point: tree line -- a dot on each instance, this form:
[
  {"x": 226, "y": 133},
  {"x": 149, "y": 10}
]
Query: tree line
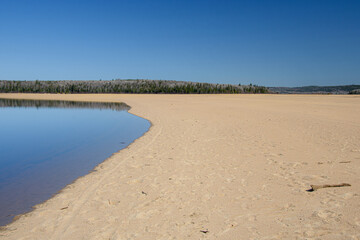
[
  {"x": 126, "y": 86},
  {"x": 340, "y": 89}
]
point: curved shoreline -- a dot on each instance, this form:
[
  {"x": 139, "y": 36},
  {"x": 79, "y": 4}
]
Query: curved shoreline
[
  {"x": 215, "y": 166},
  {"x": 67, "y": 104}
]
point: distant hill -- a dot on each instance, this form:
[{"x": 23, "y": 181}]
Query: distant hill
[
  {"x": 126, "y": 86},
  {"x": 343, "y": 89},
  {"x": 355, "y": 91}
]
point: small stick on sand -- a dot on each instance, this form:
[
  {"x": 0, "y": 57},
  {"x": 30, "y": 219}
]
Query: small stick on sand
[{"x": 316, "y": 187}]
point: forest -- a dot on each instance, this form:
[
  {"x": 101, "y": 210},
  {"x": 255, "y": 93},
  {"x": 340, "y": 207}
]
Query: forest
[
  {"x": 126, "y": 86},
  {"x": 341, "y": 89}
]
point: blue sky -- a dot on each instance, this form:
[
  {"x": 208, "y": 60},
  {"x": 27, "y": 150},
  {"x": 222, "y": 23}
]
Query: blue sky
[{"x": 272, "y": 43}]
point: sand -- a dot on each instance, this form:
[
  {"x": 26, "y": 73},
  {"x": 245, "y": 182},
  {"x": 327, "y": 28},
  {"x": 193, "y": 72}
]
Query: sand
[{"x": 216, "y": 167}]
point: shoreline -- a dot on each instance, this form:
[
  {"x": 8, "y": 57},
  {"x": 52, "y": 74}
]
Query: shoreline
[
  {"x": 232, "y": 165},
  {"x": 36, "y": 97},
  {"x": 116, "y": 106}
]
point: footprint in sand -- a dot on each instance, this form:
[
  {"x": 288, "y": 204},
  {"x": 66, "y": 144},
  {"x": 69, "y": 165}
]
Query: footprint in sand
[
  {"x": 289, "y": 207},
  {"x": 243, "y": 182},
  {"x": 327, "y": 215},
  {"x": 349, "y": 195},
  {"x": 271, "y": 161}
]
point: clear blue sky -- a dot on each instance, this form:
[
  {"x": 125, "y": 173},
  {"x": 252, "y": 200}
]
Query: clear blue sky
[{"x": 272, "y": 43}]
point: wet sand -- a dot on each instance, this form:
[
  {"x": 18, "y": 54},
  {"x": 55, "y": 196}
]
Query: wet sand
[{"x": 216, "y": 167}]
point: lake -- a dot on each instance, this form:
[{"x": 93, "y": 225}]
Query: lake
[{"x": 46, "y": 145}]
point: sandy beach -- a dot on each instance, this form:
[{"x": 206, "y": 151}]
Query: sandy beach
[{"x": 215, "y": 167}]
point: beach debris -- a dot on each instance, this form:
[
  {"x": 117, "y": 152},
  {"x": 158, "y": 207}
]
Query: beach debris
[
  {"x": 143, "y": 192},
  {"x": 204, "y": 231},
  {"x": 64, "y": 208},
  {"x": 345, "y": 162},
  {"x": 316, "y": 187}
]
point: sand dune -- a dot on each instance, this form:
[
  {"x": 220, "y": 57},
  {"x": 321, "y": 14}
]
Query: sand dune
[{"x": 216, "y": 167}]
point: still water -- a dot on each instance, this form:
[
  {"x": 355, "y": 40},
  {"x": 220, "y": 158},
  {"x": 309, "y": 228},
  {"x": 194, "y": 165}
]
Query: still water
[{"x": 45, "y": 145}]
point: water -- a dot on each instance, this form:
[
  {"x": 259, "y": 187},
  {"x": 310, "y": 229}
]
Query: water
[{"x": 45, "y": 145}]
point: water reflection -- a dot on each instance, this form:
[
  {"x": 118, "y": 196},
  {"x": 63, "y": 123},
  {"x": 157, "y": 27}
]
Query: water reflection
[{"x": 62, "y": 104}]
